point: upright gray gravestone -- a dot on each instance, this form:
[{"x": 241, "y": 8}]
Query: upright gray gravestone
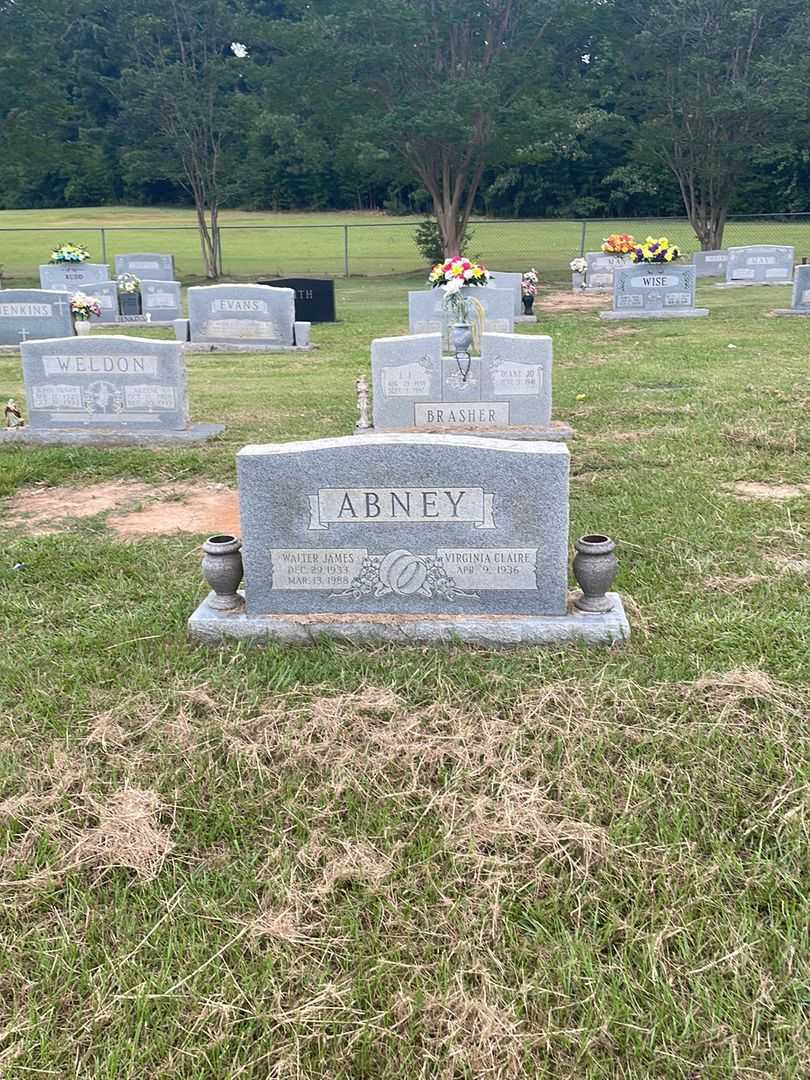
[
  {"x": 406, "y": 537},
  {"x": 161, "y": 300},
  {"x": 801, "y": 293},
  {"x": 147, "y": 265},
  {"x": 600, "y": 270},
  {"x": 100, "y": 389},
  {"x": 759, "y": 264},
  {"x": 26, "y": 314},
  {"x": 74, "y": 277},
  {"x": 654, "y": 291},
  {"x": 258, "y": 315},
  {"x": 513, "y": 283},
  {"x": 505, "y": 392},
  {"x": 710, "y": 263},
  {"x": 106, "y": 292},
  {"x": 428, "y": 315}
]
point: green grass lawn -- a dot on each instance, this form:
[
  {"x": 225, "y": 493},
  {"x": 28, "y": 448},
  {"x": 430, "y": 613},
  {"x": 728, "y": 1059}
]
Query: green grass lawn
[
  {"x": 260, "y": 244},
  {"x": 379, "y": 864}
]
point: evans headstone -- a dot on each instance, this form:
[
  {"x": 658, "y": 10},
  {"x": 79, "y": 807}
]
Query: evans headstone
[
  {"x": 600, "y": 270},
  {"x": 314, "y": 297},
  {"x": 147, "y": 265},
  {"x": 760, "y": 264},
  {"x": 161, "y": 300},
  {"x": 710, "y": 263},
  {"x": 26, "y": 314},
  {"x": 242, "y": 315},
  {"x": 801, "y": 293},
  {"x": 427, "y": 313},
  {"x": 506, "y": 391},
  {"x": 75, "y": 277},
  {"x": 654, "y": 291}
]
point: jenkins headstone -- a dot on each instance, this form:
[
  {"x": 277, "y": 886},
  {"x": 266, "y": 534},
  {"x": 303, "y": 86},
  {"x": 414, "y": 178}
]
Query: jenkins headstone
[{"x": 34, "y": 313}]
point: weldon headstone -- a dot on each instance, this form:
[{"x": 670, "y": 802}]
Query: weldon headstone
[
  {"x": 26, "y": 314},
  {"x": 107, "y": 389},
  {"x": 759, "y": 264},
  {"x": 801, "y": 293},
  {"x": 654, "y": 291},
  {"x": 75, "y": 277},
  {"x": 149, "y": 265},
  {"x": 423, "y": 538},
  {"x": 314, "y": 297},
  {"x": 600, "y": 270},
  {"x": 253, "y": 316},
  {"x": 505, "y": 392},
  {"x": 710, "y": 263},
  {"x": 427, "y": 313}
]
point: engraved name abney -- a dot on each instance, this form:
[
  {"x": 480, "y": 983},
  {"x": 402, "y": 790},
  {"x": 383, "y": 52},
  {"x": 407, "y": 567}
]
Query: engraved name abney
[{"x": 386, "y": 506}]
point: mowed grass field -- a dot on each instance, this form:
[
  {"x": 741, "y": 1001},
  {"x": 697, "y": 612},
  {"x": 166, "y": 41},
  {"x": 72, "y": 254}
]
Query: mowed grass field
[
  {"x": 377, "y": 864},
  {"x": 262, "y": 244}
]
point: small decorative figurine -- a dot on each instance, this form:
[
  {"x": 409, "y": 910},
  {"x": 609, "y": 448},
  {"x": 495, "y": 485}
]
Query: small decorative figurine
[
  {"x": 363, "y": 422},
  {"x": 14, "y": 418}
]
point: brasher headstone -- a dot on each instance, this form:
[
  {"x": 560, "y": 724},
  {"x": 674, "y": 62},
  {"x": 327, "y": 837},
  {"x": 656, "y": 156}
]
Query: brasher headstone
[
  {"x": 75, "y": 277},
  {"x": 600, "y": 270},
  {"x": 760, "y": 264},
  {"x": 242, "y": 314},
  {"x": 710, "y": 263},
  {"x": 147, "y": 265},
  {"x": 34, "y": 313},
  {"x": 654, "y": 291},
  {"x": 314, "y": 297},
  {"x": 801, "y": 293},
  {"x": 428, "y": 315},
  {"x": 161, "y": 300}
]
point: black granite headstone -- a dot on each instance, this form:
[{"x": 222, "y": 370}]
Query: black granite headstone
[{"x": 314, "y": 297}]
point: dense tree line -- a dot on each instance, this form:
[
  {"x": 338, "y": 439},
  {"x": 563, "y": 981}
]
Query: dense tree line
[{"x": 503, "y": 107}]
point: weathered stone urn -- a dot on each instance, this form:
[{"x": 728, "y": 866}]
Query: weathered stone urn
[
  {"x": 595, "y": 567},
  {"x": 222, "y": 569}
]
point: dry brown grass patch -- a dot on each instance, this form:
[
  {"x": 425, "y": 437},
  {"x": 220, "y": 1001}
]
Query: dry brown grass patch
[
  {"x": 745, "y": 489},
  {"x": 730, "y": 584},
  {"x": 759, "y": 438},
  {"x": 128, "y": 834}
]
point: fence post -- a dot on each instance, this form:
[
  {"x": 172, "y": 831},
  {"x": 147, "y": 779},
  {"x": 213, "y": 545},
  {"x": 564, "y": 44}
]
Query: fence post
[
  {"x": 103, "y": 245},
  {"x": 582, "y": 239},
  {"x": 345, "y": 250}
]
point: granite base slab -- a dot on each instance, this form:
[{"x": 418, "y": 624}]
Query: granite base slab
[
  {"x": 750, "y": 284},
  {"x": 692, "y": 313},
  {"x": 557, "y": 431},
  {"x": 489, "y": 631},
  {"x": 790, "y": 311},
  {"x": 26, "y": 436},
  {"x": 226, "y": 347},
  {"x": 525, "y": 319}
]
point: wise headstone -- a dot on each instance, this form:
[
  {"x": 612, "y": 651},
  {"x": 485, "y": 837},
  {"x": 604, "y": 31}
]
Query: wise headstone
[
  {"x": 415, "y": 537},
  {"x": 710, "y": 263},
  {"x": 654, "y": 291},
  {"x": 258, "y": 315},
  {"x": 428, "y": 315},
  {"x": 600, "y": 270},
  {"x": 161, "y": 300},
  {"x": 149, "y": 265},
  {"x": 504, "y": 392},
  {"x": 760, "y": 264},
  {"x": 27, "y": 314},
  {"x": 106, "y": 388},
  {"x": 314, "y": 297},
  {"x": 75, "y": 277},
  {"x": 801, "y": 293}
]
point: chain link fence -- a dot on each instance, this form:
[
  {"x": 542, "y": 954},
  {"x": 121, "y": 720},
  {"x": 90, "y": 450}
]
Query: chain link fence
[{"x": 376, "y": 249}]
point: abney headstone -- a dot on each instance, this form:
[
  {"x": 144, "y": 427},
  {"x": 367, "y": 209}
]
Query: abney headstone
[
  {"x": 427, "y": 313},
  {"x": 600, "y": 270},
  {"x": 654, "y": 291},
  {"x": 710, "y": 263},
  {"x": 149, "y": 265},
  {"x": 801, "y": 293},
  {"x": 314, "y": 297},
  {"x": 241, "y": 314},
  {"x": 26, "y": 314},
  {"x": 759, "y": 264},
  {"x": 75, "y": 277}
]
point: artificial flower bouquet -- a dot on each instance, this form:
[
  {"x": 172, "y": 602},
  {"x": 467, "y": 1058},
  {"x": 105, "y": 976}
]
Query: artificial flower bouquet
[
  {"x": 128, "y": 283},
  {"x": 82, "y": 307},
  {"x": 655, "y": 251},
  {"x": 461, "y": 270},
  {"x": 618, "y": 244},
  {"x": 579, "y": 265},
  {"x": 529, "y": 283},
  {"x": 70, "y": 253}
]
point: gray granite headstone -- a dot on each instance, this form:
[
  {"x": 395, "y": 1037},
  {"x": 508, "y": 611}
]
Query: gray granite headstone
[
  {"x": 415, "y": 387},
  {"x": 405, "y": 524},
  {"x": 511, "y": 281},
  {"x": 428, "y": 315},
  {"x": 654, "y": 291},
  {"x": 760, "y": 264},
  {"x": 146, "y": 265},
  {"x": 34, "y": 313},
  {"x": 161, "y": 300},
  {"x": 600, "y": 270},
  {"x": 105, "y": 382},
  {"x": 242, "y": 314},
  {"x": 106, "y": 292},
  {"x": 710, "y": 263},
  {"x": 801, "y": 293},
  {"x": 75, "y": 277}
]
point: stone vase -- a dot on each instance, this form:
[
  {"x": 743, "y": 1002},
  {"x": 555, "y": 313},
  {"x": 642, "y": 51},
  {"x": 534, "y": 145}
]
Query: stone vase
[
  {"x": 461, "y": 337},
  {"x": 595, "y": 567},
  {"x": 577, "y": 282},
  {"x": 222, "y": 569},
  {"x": 528, "y": 304},
  {"x": 82, "y": 327}
]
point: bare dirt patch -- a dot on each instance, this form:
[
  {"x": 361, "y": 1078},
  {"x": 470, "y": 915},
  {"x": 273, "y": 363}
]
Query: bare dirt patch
[
  {"x": 745, "y": 489},
  {"x": 144, "y": 510},
  {"x": 571, "y": 301}
]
